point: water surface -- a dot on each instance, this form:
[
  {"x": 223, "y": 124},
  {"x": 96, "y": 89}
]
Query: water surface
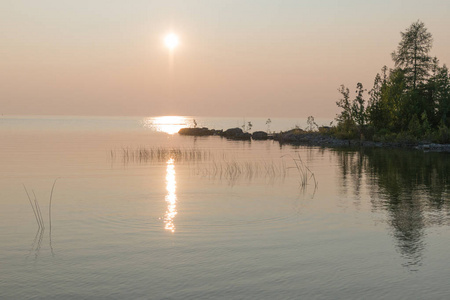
[{"x": 202, "y": 218}]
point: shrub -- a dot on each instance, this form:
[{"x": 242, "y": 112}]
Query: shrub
[
  {"x": 442, "y": 135},
  {"x": 414, "y": 127},
  {"x": 347, "y": 130},
  {"x": 406, "y": 137}
]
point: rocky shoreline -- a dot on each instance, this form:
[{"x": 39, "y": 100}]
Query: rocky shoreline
[{"x": 300, "y": 137}]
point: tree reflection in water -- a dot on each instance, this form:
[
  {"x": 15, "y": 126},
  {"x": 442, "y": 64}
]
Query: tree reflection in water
[{"x": 412, "y": 186}]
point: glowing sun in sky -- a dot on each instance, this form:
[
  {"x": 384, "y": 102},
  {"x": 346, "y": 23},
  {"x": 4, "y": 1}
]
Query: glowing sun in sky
[{"x": 171, "y": 41}]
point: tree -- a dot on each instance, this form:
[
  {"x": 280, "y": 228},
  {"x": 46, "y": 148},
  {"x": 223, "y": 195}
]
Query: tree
[
  {"x": 411, "y": 99},
  {"x": 396, "y": 104},
  {"x": 412, "y": 53},
  {"x": 344, "y": 103},
  {"x": 352, "y": 119},
  {"x": 358, "y": 109},
  {"x": 374, "y": 109},
  {"x": 441, "y": 82}
]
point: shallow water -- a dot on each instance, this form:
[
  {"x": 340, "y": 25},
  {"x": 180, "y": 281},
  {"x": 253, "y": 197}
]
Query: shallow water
[{"x": 220, "y": 219}]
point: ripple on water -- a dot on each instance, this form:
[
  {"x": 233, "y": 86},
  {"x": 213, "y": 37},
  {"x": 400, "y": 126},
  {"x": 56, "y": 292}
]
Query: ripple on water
[{"x": 155, "y": 224}]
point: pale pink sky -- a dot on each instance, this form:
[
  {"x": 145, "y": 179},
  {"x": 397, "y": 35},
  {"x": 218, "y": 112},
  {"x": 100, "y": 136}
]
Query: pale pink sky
[{"x": 236, "y": 58}]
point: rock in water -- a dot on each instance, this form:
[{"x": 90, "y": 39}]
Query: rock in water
[
  {"x": 260, "y": 135},
  {"x": 236, "y": 134},
  {"x": 196, "y": 131}
]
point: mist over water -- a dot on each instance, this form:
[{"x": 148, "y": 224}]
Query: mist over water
[{"x": 138, "y": 212}]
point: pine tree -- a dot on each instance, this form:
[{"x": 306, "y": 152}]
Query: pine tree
[{"x": 412, "y": 53}]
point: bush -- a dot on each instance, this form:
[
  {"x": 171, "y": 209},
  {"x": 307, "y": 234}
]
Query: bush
[
  {"x": 369, "y": 133},
  {"x": 414, "y": 127},
  {"x": 347, "y": 130},
  {"x": 406, "y": 137},
  {"x": 442, "y": 135},
  {"x": 385, "y": 135},
  {"x": 326, "y": 130}
]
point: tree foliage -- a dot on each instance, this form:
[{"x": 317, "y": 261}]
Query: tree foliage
[
  {"x": 353, "y": 117},
  {"x": 412, "y": 99},
  {"x": 412, "y": 53}
]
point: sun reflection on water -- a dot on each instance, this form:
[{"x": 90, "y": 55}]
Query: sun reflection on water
[
  {"x": 171, "y": 197},
  {"x": 167, "y": 124}
]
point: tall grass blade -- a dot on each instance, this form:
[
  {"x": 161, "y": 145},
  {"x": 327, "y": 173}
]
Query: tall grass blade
[{"x": 32, "y": 206}]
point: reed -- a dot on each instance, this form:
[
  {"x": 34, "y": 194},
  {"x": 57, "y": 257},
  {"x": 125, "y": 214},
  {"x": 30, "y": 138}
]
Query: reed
[
  {"x": 143, "y": 155},
  {"x": 50, "y": 205},
  {"x": 36, "y": 209},
  {"x": 304, "y": 172},
  {"x": 221, "y": 165},
  {"x": 50, "y": 216},
  {"x": 40, "y": 220}
]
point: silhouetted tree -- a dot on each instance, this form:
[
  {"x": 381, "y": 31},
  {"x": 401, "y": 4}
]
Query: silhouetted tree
[
  {"x": 358, "y": 107},
  {"x": 441, "y": 85},
  {"x": 344, "y": 103},
  {"x": 411, "y": 100},
  {"x": 376, "y": 111},
  {"x": 412, "y": 53}
]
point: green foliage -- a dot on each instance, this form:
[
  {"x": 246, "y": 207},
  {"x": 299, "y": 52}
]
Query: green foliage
[
  {"x": 346, "y": 115},
  {"x": 368, "y": 132},
  {"x": 375, "y": 111},
  {"x": 426, "y": 128},
  {"x": 347, "y": 130},
  {"x": 414, "y": 127},
  {"x": 352, "y": 120},
  {"x": 405, "y": 138},
  {"x": 358, "y": 108},
  {"x": 384, "y": 135},
  {"x": 407, "y": 103},
  {"x": 327, "y": 130},
  {"x": 412, "y": 54},
  {"x": 441, "y": 86},
  {"x": 443, "y": 134},
  {"x": 394, "y": 100}
]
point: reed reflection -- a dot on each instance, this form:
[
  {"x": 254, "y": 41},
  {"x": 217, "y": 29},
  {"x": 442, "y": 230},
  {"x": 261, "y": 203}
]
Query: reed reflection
[{"x": 171, "y": 197}]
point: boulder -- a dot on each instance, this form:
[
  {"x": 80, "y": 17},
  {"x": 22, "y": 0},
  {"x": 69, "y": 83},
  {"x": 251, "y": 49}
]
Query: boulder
[
  {"x": 232, "y": 132},
  {"x": 236, "y": 134},
  {"x": 245, "y": 136},
  {"x": 196, "y": 131},
  {"x": 260, "y": 135}
]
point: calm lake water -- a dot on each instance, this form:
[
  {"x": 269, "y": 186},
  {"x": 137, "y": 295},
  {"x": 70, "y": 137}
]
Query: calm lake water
[{"x": 138, "y": 213}]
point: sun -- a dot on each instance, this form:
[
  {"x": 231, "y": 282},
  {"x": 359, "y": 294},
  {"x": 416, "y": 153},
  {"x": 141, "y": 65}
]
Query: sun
[{"x": 171, "y": 41}]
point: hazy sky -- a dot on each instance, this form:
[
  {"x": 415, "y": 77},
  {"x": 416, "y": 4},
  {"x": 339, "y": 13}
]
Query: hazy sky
[{"x": 241, "y": 58}]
